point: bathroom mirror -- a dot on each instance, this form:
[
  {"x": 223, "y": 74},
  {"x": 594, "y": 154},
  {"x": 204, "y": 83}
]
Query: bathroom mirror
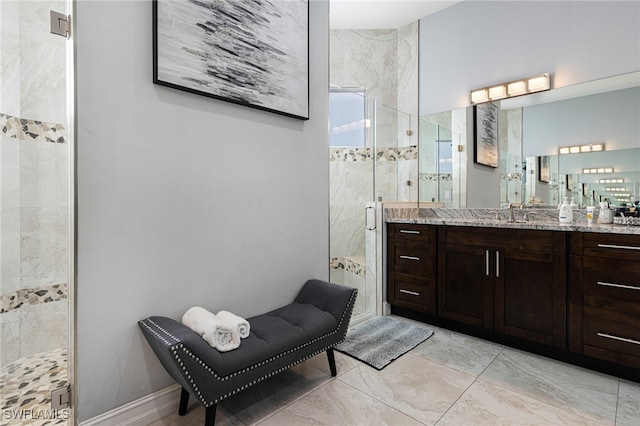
[{"x": 534, "y": 127}]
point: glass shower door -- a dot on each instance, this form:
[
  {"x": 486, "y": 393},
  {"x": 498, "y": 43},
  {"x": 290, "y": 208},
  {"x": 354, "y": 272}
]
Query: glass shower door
[
  {"x": 373, "y": 159},
  {"x": 34, "y": 213},
  {"x": 351, "y": 186}
]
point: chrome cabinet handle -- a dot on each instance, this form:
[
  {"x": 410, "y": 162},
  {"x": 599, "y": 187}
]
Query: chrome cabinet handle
[
  {"x": 631, "y": 287},
  {"x": 409, "y": 257},
  {"x": 622, "y": 339},
  {"x": 407, "y": 231},
  {"x": 486, "y": 261},
  {"x": 614, "y": 246},
  {"x": 413, "y": 293},
  {"x": 497, "y": 264}
]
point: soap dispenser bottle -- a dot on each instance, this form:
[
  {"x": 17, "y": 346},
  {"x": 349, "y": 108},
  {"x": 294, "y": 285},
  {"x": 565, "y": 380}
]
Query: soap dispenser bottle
[
  {"x": 566, "y": 213},
  {"x": 573, "y": 204}
]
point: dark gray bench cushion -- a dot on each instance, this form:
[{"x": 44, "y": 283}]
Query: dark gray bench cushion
[{"x": 317, "y": 320}]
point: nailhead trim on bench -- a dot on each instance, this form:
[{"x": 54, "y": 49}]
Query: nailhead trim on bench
[{"x": 187, "y": 352}]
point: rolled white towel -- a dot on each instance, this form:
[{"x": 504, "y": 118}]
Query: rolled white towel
[
  {"x": 241, "y": 324},
  {"x": 216, "y": 332}
]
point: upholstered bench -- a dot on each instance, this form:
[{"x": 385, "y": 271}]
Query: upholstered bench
[{"x": 315, "y": 322}]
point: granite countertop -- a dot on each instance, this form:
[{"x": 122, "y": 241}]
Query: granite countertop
[{"x": 541, "y": 219}]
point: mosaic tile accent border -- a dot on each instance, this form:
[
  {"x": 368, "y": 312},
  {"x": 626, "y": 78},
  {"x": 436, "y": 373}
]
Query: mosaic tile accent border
[
  {"x": 349, "y": 265},
  {"x": 23, "y": 129},
  {"x": 32, "y": 296},
  {"x": 432, "y": 177},
  {"x": 382, "y": 154},
  {"x": 511, "y": 176},
  {"x": 349, "y": 154},
  {"x": 397, "y": 154},
  {"x": 26, "y": 389}
]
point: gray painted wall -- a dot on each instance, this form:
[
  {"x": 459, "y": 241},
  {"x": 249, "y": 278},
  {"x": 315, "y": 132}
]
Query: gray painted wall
[
  {"x": 183, "y": 200},
  {"x": 478, "y": 43}
]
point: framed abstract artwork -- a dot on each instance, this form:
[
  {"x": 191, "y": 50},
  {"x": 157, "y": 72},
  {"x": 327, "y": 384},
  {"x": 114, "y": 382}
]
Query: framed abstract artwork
[
  {"x": 238, "y": 51},
  {"x": 485, "y": 134}
]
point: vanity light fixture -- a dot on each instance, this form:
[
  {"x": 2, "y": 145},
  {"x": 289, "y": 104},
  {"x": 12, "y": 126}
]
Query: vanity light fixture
[
  {"x": 576, "y": 149},
  {"x": 594, "y": 170},
  {"x": 524, "y": 86},
  {"x": 618, "y": 180},
  {"x": 517, "y": 88},
  {"x": 497, "y": 92},
  {"x": 479, "y": 96}
]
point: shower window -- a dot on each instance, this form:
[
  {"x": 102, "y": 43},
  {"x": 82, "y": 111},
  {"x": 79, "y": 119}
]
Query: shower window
[{"x": 347, "y": 117}]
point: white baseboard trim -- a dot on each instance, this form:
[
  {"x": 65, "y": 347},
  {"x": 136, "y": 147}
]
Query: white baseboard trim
[
  {"x": 386, "y": 309},
  {"x": 140, "y": 412}
]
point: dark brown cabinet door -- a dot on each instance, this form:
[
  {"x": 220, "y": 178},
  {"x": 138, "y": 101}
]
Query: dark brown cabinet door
[
  {"x": 465, "y": 284},
  {"x": 530, "y": 296},
  {"x": 509, "y": 281}
]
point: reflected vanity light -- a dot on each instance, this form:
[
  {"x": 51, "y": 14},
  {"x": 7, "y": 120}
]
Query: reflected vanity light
[
  {"x": 617, "y": 180},
  {"x": 576, "y": 149},
  {"x": 593, "y": 170},
  {"x": 524, "y": 86}
]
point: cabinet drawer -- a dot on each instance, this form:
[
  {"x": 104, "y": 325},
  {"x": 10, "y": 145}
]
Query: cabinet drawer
[
  {"x": 407, "y": 231},
  {"x": 414, "y": 257},
  {"x": 413, "y": 292},
  {"x": 613, "y": 336},
  {"x": 613, "y": 246},
  {"x": 511, "y": 239},
  {"x": 611, "y": 284}
]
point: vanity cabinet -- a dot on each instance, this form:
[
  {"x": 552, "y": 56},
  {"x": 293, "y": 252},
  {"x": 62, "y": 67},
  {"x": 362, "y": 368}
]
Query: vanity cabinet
[
  {"x": 511, "y": 281},
  {"x": 411, "y": 266},
  {"x": 605, "y": 297}
]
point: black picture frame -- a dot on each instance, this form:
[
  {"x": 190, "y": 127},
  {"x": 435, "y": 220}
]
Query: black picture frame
[
  {"x": 235, "y": 51},
  {"x": 569, "y": 182},
  {"x": 544, "y": 170},
  {"x": 485, "y": 135}
]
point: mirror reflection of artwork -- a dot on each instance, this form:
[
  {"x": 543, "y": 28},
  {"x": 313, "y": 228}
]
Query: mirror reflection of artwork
[
  {"x": 570, "y": 182},
  {"x": 544, "y": 171},
  {"x": 485, "y": 122}
]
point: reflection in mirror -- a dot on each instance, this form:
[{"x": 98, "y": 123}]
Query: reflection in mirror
[
  {"x": 610, "y": 118},
  {"x": 440, "y": 163},
  {"x": 533, "y": 127},
  {"x": 620, "y": 187}
]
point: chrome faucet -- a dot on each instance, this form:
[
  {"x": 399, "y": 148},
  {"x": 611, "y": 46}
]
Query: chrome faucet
[{"x": 512, "y": 217}]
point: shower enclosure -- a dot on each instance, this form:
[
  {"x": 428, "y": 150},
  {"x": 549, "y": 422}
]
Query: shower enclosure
[
  {"x": 371, "y": 160},
  {"x": 35, "y": 225}
]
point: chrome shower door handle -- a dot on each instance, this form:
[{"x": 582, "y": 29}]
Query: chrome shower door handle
[{"x": 366, "y": 218}]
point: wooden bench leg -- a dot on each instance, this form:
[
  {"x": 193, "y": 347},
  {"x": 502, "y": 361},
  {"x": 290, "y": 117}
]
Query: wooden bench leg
[
  {"x": 210, "y": 415},
  {"x": 184, "y": 401},
  {"x": 332, "y": 362}
]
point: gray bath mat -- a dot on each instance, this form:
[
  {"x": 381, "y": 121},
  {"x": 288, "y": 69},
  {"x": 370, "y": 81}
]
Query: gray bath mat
[{"x": 380, "y": 340}]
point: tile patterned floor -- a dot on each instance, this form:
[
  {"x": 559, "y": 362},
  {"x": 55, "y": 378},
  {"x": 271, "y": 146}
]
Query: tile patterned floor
[
  {"x": 25, "y": 390},
  {"x": 450, "y": 379}
]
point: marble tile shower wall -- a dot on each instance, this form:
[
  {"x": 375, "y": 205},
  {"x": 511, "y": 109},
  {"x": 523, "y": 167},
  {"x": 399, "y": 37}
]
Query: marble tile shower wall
[
  {"x": 34, "y": 185},
  {"x": 351, "y": 186}
]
